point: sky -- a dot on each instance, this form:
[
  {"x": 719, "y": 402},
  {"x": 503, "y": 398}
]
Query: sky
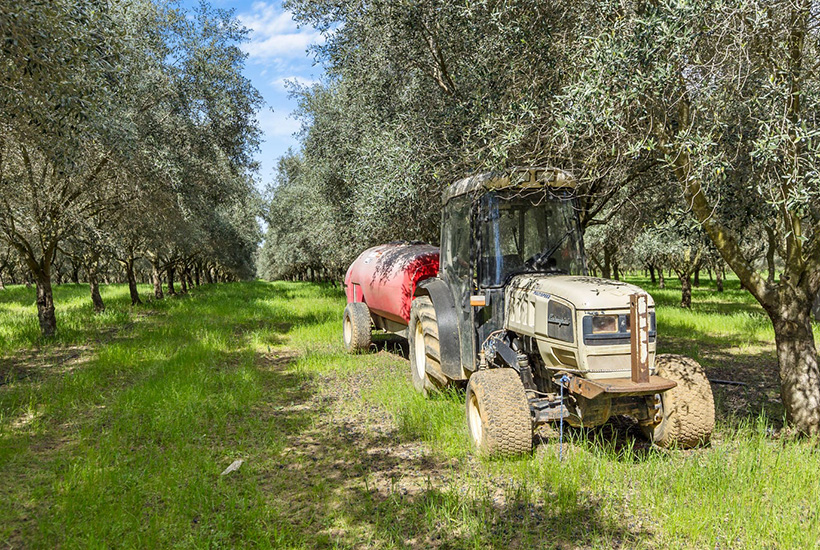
[{"x": 277, "y": 53}]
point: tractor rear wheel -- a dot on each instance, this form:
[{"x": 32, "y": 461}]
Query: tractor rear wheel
[
  {"x": 356, "y": 327},
  {"x": 498, "y": 413},
  {"x": 425, "y": 354},
  {"x": 688, "y": 408}
]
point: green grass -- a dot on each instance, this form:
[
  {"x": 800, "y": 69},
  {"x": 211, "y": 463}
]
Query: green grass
[{"x": 115, "y": 434}]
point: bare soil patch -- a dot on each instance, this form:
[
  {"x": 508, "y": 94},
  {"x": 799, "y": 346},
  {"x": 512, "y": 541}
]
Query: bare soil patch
[
  {"x": 745, "y": 381},
  {"x": 34, "y": 365},
  {"x": 350, "y": 478}
]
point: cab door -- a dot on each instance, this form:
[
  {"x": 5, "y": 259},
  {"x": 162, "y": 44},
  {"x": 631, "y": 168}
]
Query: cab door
[{"x": 457, "y": 269}]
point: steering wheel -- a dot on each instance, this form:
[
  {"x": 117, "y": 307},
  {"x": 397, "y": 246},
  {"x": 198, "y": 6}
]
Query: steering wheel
[
  {"x": 542, "y": 261},
  {"x": 535, "y": 261}
]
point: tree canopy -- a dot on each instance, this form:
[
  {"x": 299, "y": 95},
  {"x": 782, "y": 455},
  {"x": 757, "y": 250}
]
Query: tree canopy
[
  {"x": 128, "y": 132},
  {"x": 712, "y": 105}
]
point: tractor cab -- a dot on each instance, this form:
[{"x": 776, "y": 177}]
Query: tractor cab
[{"x": 497, "y": 226}]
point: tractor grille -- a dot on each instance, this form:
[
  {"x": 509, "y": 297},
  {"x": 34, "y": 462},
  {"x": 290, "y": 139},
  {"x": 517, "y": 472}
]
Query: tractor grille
[
  {"x": 609, "y": 363},
  {"x": 613, "y": 363}
]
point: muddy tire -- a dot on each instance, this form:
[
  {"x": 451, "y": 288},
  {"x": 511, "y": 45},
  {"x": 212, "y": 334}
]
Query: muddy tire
[
  {"x": 425, "y": 354},
  {"x": 356, "y": 327},
  {"x": 688, "y": 408},
  {"x": 498, "y": 413}
]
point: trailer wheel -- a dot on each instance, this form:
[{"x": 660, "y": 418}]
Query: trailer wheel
[
  {"x": 498, "y": 413},
  {"x": 425, "y": 355},
  {"x": 688, "y": 408},
  {"x": 356, "y": 328}
]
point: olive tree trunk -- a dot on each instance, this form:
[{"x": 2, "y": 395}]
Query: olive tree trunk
[
  {"x": 685, "y": 290},
  {"x": 91, "y": 270},
  {"x": 45, "y": 303},
  {"x": 132, "y": 281},
  {"x": 169, "y": 274},
  {"x": 797, "y": 360},
  {"x": 156, "y": 279},
  {"x": 96, "y": 298}
]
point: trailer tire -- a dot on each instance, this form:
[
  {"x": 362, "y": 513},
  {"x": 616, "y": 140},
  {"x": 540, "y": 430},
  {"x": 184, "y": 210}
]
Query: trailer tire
[
  {"x": 498, "y": 413},
  {"x": 356, "y": 330},
  {"x": 688, "y": 408},
  {"x": 425, "y": 353}
]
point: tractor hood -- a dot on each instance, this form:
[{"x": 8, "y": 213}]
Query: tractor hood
[{"x": 586, "y": 293}]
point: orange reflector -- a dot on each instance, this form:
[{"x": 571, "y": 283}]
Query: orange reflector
[{"x": 480, "y": 301}]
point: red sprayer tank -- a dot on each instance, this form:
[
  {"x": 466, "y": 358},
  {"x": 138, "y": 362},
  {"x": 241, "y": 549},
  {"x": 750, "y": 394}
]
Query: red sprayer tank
[{"x": 385, "y": 277}]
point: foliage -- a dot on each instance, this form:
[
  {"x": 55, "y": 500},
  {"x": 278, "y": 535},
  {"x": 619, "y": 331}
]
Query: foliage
[
  {"x": 128, "y": 131},
  {"x": 723, "y": 95},
  {"x": 417, "y": 95}
]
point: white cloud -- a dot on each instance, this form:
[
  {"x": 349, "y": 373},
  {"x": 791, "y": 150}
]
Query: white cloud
[
  {"x": 282, "y": 83},
  {"x": 277, "y": 124},
  {"x": 275, "y": 35}
]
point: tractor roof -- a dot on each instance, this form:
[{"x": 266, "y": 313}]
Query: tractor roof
[{"x": 521, "y": 178}]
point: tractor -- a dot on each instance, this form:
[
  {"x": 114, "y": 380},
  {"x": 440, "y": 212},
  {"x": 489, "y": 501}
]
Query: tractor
[{"x": 506, "y": 308}]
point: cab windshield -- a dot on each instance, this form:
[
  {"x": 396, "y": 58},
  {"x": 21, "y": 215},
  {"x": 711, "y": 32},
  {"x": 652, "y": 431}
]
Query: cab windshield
[{"x": 529, "y": 231}]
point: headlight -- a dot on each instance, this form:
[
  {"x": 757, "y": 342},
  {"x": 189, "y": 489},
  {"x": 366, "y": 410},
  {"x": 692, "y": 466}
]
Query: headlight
[
  {"x": 603, "y": 324},
  {"x": 611, "y": 330}
]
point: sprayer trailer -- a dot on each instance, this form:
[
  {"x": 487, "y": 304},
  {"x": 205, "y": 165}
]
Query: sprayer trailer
[{"x": 506, "y": 308}]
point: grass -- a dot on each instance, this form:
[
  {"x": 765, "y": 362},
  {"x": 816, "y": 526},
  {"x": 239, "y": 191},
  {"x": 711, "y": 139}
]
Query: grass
[{"x": 115, "y": 434}]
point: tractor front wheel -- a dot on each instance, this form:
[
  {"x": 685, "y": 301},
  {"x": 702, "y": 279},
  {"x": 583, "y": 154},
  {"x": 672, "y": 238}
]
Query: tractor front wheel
[
  {"x": 356, "y": 327},
  {"x": 498, "y": 413},
  {"x": 688, "y": 408}
]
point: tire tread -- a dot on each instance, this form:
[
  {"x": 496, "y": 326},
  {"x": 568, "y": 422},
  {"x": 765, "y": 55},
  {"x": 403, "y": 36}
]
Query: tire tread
[
  {"x": 359, "y": 315},
  {"x": 422, "y": 310},
  {"x": 689, "y": 408},
  {"x": 505, "y": 412}
]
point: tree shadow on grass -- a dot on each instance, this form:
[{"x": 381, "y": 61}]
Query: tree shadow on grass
[
  {"x": 620, "y": 439},
  {"x": 746, "y": 381},
  {"x": 347, "y": 481}
]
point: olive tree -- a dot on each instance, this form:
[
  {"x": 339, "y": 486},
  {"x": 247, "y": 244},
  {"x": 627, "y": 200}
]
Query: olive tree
[
  {"x": 59, "y": 64},
  {"x": 106, "y": 106},
  {"x": 417, "y": 95},
  {"x": 676, "y": 244}
]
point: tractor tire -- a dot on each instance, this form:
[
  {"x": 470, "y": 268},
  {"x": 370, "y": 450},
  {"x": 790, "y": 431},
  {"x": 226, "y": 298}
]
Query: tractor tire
[
  {"x": 688, "y": 408},
  {"x": 498, "y": 413},
  {"x": 356, "y": 328},
  {"x": 425, "y": 354}
]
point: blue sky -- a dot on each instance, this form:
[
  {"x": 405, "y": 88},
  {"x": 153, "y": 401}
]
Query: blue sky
[{"x": 277, "y": 52}]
